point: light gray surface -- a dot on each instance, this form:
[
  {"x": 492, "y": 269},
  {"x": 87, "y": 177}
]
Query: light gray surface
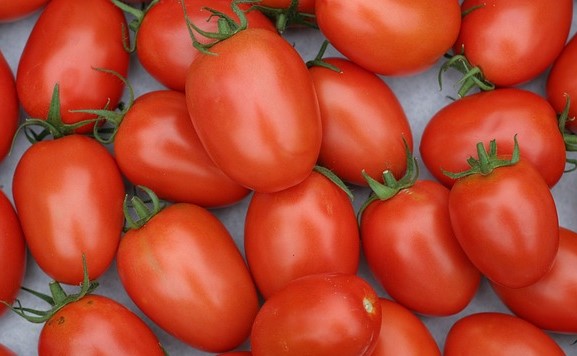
[{"x": 419, "y": 96}]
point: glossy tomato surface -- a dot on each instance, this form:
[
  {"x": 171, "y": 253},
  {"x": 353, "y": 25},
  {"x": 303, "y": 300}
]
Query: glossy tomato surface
[
  {"x": 9, "y": 107},
  {"x": 259, "y": 119},
  {"x": 559, "y": 85},
  {"x": 187, "y": 259},
  {"x": 16, "y": 10},
  {"x": 68, "y": 193}
]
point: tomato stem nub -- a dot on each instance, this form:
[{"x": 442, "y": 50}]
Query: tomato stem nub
[
  {"x": 140, "y": 208},
  {"x": 472, "y": 76}
]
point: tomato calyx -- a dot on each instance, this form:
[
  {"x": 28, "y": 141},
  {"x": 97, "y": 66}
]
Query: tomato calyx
[
  {"x": 58, "y": 298},
  {"x": 334, "y": 178},
  {"x": 134, "y": 25},
  {"x": 569, "y": 138},
  {"x": 318, "y": 60},
  {"x": 473, "y": 76},
  {"x": 140, "y": 209},
  {"x": 287, "y": 17}
]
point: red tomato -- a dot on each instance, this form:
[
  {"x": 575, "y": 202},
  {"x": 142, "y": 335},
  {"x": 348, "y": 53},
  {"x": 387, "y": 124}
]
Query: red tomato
[
  {"x": 68, "y": 193},
  {"x": 506, "y": 221},
  {"x": 390, "y": 37},
  {"x": 559, "y": 83},
  {"x": 167, "y": 54},
  {"x": 15, "y": 10},
  {"x": 555, "y": 294},
  {"x": 403, "y": 333},
  {"x": 418, "y": 261},
  {"x": 307, "y": 6},
  {"x": 9, "y": 107},
  {"x": 12, "y": 253},
  {"x": 449, "y": 137},
  {"x": 68, "y": 42},
  {"x": 493, "y": 333},
  {"x": 259, "y": 119},
  {"x": 513, "y": 41},
  {"x": 5, "y": 351},
  {"x": 320, "y": 314},
  {"x": 156, "y": 146},
  {"x": 354, "y": 124},
  {"x": 187, "y": 258},
  {"x": 306, "y": 229}
]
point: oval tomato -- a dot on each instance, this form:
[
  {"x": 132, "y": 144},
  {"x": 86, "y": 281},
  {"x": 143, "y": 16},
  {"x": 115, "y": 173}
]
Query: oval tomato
[
  {"x": 449, "y": 137},
  {"x": 166, "y": 54},
  {"x": 360, "y": 132},
  {"x": 187, "y": 259},
  {"x": 9, "y": 107},
  {"x": 12, "y": 253},
  {"x": 555, "y": 293},
  {"x": 306, "y": 229},
  {"x": 5, "y": 351},
  {"x": 559, "y": 85},
  {"x": 492, "y": 333},
  {"x": 15, "y": 10},
  {"x": 320, "y": 314},
  {"x": 68, "y": 193},
  {"x": 67, "y": 45},
  {"x": 259, "y": 119},
  {"x": 513, "y": 41},
  {"x": 354, "y": 27},
  {"x": 156, "y": 146}
]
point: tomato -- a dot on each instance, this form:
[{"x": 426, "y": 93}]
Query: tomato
[
  {"x": 156, "y": 146},
  {"x": 67, "y": 45},
  {"x": 5, "y": 351},
  {"x": 513, "y": 41},
  {"x": 167, "y": 54},
  {"x": 319, "y": 314},
  {"x": 307, "y": 6},
  {"x": 184, "y": 257},
  {"x": 259, "y": 119},
  {"x": 403, "y": 333},
  {"x": 382, "y": 36},
  {"x": 15, "y": 10},
  {"x": 354, "y": 124},
  {"x": 237, "y": 353},
  {"x": 9, "y": 107},
  {"x": 559, "y": 85},
  {"x": 306, "y": 229},
  {"x": 12, "y": 253},
  {"x": 555, "y": 293},
  {"x": 506, "y": 221},
  {"x": 450, "y": 136},
  {"x": 492, "y": 333},
  {"x": 68, "y": 193}
]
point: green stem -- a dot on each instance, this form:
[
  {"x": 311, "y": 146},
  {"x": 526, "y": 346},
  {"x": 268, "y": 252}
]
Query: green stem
[
  {"x": 140, "y": 208},
  {"x": 318, "y": 60}
]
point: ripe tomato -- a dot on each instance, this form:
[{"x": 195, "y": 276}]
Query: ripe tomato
[
  {"x": 68, "y": 193},
  {"x": 156, "y": 146},
  {"x": 5, "y": 351},
  {"x": 559, "y": 84},
  {"x": 9, "y": 107},
  {"x": 306, "y": 229},
  {"x": 403, "y": 333},
  {"x": 492, "y": 333},
  {"x": 187, "y": 258},
  {"x": 66, "y": 47},
  {"x": 259, "y": 119},
  {"x": 15, "y": 10},
  {"x": 513, "y": 41},
  {"x": 167, "y": 54},
  {"x": 12, "y": 253},
  {"x": 319, "y": 314},
  {"x": 355, "y": 124},
  {"x": 450, "y": 136},
  {"x": 555, "y": 293},
  {"x": 355, "y": 27}
]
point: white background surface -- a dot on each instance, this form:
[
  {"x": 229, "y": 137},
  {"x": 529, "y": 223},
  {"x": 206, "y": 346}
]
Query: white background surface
[{"x": 419, "y": 96}]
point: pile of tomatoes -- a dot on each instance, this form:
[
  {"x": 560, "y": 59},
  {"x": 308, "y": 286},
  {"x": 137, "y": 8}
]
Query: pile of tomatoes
[{"x": 328, "y": 177}]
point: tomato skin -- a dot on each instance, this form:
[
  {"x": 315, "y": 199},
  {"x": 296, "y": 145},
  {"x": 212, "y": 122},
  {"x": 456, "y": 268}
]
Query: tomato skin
[
  {"x": 492, "y": 333},
  {"x": 5, "y": 351},
  {"x": 167, "y": 54},
  {"x": 188, "y": 258},
  {"x": 246, "y": 111},
  {"x": 403, "y": 333},
  {"x": 495, "y": 37},
  {"x": 68, "y": 193},
  {"x": 306, "y": 229},
  {"x": 558, "y": 83},
  {"x": 450, "y": 136},
  {"x": 555, "y": 293},
  {"x": 64, "y": 47},
  {"x": 396, "y": 25},
  {"x": 12, "y": 253},
  {"x": 320, "y": 314},
  {"x": 356, "y": 124},
  {"x": 418, "y": 261},
  {"x": 156, "y": 146},
  {"x": 9, "y": 107},
  {"x": 15, "y": 10},
  {"x": 506, "y": 223},
  {"x": 97, "y": 325}
]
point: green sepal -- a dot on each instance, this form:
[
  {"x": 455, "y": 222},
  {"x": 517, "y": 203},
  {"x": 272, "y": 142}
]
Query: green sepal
[
  {"x": 473, "y": 76},
  {"x": 143, "y": 210},
  {"x": 335, "y": 179},
  {"x": 134, "y": 25},
  {"x": 290, "y": 16}
]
